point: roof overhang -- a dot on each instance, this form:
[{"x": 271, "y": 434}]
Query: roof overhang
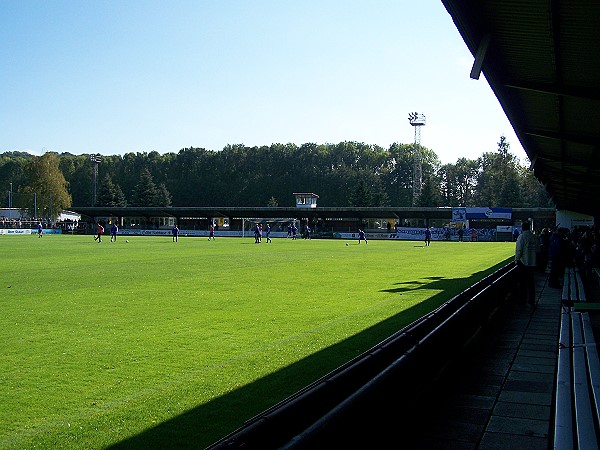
[
  {"x": 350, "y": 213},
  {"x": 542, "y": 60}
]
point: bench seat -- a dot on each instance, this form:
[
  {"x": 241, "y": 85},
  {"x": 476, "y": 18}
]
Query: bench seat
[
  {"x": 573, "y": 290},
  {"x": 577, "y": 405}
]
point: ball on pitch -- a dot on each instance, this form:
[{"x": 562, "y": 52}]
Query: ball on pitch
[
  {"x": 126, "y": 240},
  {"x": 346, "y": 244}
]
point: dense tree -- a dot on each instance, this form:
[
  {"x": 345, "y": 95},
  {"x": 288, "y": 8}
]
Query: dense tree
[
  {"x": 163, "y": 197},
  {"x": 47, "y": 182},
  {"x": 498, "y": 178},
  {"x": 145, "y": 192},
  {"x": 341, "y": 174},
  {"x": 361, "y": 195},
  {"x": 532, "y": 191},
  {"x": 431, "y": 194},
  {"x": 458, "y": 182},
  {"x": 77, "y": 170},
  {"x": 12, "y": 174},
  {"x": 110, "y": 194},
  {"x": 399, "y": 175}
]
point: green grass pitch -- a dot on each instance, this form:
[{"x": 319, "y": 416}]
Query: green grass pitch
[{"x": 155, "y": 344}]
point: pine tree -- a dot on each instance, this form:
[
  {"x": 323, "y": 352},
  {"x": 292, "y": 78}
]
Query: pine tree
[
  {"x": 163, "y": 196},
  {"x": 361, "y": 195},
  {"x": 110, "y": 194},
  {"x": 145, "y": 192}
]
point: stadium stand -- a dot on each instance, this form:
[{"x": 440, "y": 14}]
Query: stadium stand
[
  {"x": 573, "y": 289},
  {"x": 577, "y": 384}
]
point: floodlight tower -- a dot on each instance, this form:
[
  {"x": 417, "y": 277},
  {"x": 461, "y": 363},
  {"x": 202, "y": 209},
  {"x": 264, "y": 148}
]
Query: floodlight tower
[
  {"x": 95, "y": 159},
  {"x": 417, "y": 120},
  {"x": 10, "y": 194}
]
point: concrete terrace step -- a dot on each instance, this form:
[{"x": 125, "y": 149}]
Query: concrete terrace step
[{"x": 503, "y": 398}]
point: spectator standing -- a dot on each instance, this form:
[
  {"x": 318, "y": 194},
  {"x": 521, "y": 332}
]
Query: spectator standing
[
  {"x": 525, "y": 257},
  {"x": 542, "y": 259},
  {"x": 446, "y": 233},
  {"x": 473, "y": 235},
  {"x": 515, "y": 234},
  {"x": 461, "y": 233},
  {"x": 557, "y": 255}
]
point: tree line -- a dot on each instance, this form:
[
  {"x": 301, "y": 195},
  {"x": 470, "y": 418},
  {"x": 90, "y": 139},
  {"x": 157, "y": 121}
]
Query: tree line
[{"x": 343, "y": 174}]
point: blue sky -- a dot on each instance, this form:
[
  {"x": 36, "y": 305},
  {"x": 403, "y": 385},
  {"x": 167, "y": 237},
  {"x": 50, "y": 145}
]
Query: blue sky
[{"x": 120, "y": 76}]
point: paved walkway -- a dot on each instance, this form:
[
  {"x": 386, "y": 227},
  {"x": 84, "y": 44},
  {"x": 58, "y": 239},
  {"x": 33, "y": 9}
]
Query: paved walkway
[{"x": 503, "y": 399}]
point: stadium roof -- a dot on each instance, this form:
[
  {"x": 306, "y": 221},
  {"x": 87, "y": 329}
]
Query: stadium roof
[
  {"x": 267, "y": 212},
  {"x": 542, "y": 60},
  {"x": 350, "y": 213}
]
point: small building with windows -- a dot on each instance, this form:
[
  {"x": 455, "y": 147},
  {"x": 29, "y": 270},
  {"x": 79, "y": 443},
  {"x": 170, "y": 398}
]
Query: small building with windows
[{"x": 306, "y": 199}]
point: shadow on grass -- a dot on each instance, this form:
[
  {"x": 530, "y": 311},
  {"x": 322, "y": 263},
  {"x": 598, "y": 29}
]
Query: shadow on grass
[
  {"x": 202, "y": 426},
  {"x": 435, "y": 283}
]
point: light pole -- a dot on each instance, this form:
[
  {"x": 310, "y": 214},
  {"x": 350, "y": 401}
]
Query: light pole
[
  {"x": 95, "y": 159},
  {"x": 417, "y": 120},
  {"x": 10, "y": 202}
]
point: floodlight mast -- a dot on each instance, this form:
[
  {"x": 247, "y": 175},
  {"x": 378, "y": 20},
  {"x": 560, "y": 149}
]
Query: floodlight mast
[
  {"x": 417, "y": 120},
  {"x": 10, "y": 196},
  {"x": 95, "y": 159}
]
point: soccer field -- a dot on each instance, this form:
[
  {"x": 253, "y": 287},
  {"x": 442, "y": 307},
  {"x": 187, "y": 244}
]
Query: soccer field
[{"x": 155, "y": 344}]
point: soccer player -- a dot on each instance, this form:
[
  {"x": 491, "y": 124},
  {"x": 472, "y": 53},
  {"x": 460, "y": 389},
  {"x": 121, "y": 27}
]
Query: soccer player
[
  {"x": 257, "y": 234},
  {"x": 268, "y": 233},
  {"x": 175, "y": 232},
  {"x": 427, "y": 236},
  {"x": 99, "y": 231},
  {"x": 114, "y": 229},
  {"x": 362, "y": 236},
  {"x": 40, "y": 229}
]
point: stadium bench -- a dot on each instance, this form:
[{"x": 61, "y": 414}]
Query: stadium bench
[
  {"x": 577, "y": 384},
  {"x": 573, "y": 290}
]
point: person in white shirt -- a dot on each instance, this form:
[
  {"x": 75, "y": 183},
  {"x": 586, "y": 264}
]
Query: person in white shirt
[{"x": 525, "y": 257}]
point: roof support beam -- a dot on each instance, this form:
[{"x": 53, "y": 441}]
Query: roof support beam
[
  {"x": 567, "y": 137},
  {"x": 480, "y": 56},
  {"x": 554, "y": 89}
]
